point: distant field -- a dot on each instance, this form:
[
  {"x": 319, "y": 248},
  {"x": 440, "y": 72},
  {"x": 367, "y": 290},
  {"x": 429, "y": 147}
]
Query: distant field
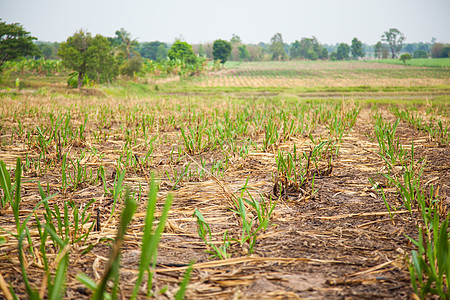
[
  {"x": 326, "y": 74},
  {"x": 421, "y": 62}
]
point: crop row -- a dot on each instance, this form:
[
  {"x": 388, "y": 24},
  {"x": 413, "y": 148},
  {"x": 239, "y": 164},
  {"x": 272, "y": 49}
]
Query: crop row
[
  {"x": 428, "y": 263},
  {"x": 76, "y": 142}
]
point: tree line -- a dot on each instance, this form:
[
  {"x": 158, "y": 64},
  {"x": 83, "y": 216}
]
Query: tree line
[
  {"x": 104, "y": 58},
  {"x": 390, "y": 45}
]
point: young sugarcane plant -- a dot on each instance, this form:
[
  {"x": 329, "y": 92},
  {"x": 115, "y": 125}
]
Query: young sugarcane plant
[
  {"x": 430, "y": 266},
  {"x": 263, "y": 212},
  {"x": 151, "y": 238},
  {"x": 204, "y": 232}
]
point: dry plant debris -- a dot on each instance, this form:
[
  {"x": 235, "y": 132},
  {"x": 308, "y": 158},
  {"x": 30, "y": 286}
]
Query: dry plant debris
[{"x": 331, "y": 236}]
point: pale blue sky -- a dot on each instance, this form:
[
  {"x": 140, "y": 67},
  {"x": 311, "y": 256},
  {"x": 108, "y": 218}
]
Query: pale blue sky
[{"x": 331, "y": 21}]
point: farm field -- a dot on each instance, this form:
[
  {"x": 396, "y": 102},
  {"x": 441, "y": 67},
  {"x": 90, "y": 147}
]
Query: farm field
[
  {"x": 339, "y": 74},
  {"x": 277, "y": 180}
]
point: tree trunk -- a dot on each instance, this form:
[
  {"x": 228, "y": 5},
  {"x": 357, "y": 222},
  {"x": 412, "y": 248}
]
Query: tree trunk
[
  {"x": 393, "y": 53},
  {"x": 80, "y": 80}
]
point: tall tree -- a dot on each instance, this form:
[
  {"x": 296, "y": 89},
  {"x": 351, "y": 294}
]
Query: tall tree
[
  {"x": 342, "y": 51},
  {"x": 395, "y": 39},
  {"x": 101, "y": 62},
  {"x": 126, "y": 43},
  {"x": 243, "y": 52},
  {"x": 221, "y": 50},
  {"x": 201, "y": 51},
  {"x": 357, "y": 49},
  {"x": 149, "y": 50},
  {"x": 294, "y": 50},
  {"x": 182, "y": 51},
  {"x": 47, "y": 51},
  {"x": 377, "y": 49},
  {"x": 15, "y": 42},
  {"x": 307, "y": 48},
  {"x": 161, "y": 52},
  {"x": 324, "y": 53},
  {"x": 277, "y": 47},
  {"x": 84, "y": 54},
  {"x": 74, "y": 53},
  {"x": 256, "y": 52},
  {"x": 235, "y": 40},
  {"x": 440, "y": 50}
]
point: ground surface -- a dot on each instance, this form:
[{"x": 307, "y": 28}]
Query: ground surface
[{"x": 338, "y": 243}]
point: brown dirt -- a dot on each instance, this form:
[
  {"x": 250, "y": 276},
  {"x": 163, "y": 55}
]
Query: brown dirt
[{"x": 340, "y": 244}]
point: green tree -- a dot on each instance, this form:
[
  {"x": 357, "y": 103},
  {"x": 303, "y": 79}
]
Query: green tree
[
  {"x": 161, "y": 53},
  {"x": 312, "y": 55},
  {"x": 324, "y": 53},
  {"x": 150, "y": 49},
  {"x": 84, "y": 54},
  {"x": 395, "y": 39},
  {"x": 131, "y": 66},
  {"x": 221, "y": 50},
  {"x": 15, "y": 42},
  {"x": 74, "y": 53},
  {"x": 47, "y": 51},
  {"x": 126, "y": 44},
  {"x": 357, "y": 49},
  {"x": 294, "y": 50},
  {"x": 404, "y": 57},
  {"x": 420, "y": 54},
  {"x": 201, "y": 51},
  {"x": 342, "y": 51},
  {"x": 235, "y": 40},
  {"x": 243, "y": 52},
  {"x": 277, "y": 47},
  {"x": 182, "y": 51},
  {"x": 256, "y": 52},
  {"x": 333, "y": 56},
  {"x": 307, "y": 48},
  {"x": 440, "y": 50},
  {"x": 115, "y": 42},
  {"x": 378, "y": 49},
  {"x": 102, "y": 64}
]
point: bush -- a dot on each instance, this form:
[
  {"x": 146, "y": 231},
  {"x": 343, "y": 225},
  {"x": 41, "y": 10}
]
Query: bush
[
  {"x": 312, "y": 55},
  {"x": 324, "y": 53},
  {"x": 131, "y": 66},
  {"x": 440, "y": 50},
  {"x": 445, "y": 53},
  {"x": 404, "y": 57},
  {"x": 333, "y": 56},
  {"x": 420, "y": 54}
]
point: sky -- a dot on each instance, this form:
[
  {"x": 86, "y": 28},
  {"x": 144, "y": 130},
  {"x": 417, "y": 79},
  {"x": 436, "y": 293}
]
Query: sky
[{"x": 254, "y": 21}]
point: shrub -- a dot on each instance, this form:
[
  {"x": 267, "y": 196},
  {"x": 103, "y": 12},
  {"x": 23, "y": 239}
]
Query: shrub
[
  {"x": 131, "y": 66},
  {"x": 420, "y": 54},
  {"x": 404, "y": 57}
]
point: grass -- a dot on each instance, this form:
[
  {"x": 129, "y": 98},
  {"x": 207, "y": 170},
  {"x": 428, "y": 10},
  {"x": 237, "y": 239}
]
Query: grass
[{"x": 421, "y": 62}]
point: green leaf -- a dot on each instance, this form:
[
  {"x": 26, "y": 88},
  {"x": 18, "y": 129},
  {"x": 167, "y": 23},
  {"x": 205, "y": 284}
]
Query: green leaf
[
  {"x": 417, "y": 265},
  {"x": 5, "y": 182},
  {"x": 90, "y": 284},
  {"x": 58, "y": 285},
  {"x": 187, "y": 276}
]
